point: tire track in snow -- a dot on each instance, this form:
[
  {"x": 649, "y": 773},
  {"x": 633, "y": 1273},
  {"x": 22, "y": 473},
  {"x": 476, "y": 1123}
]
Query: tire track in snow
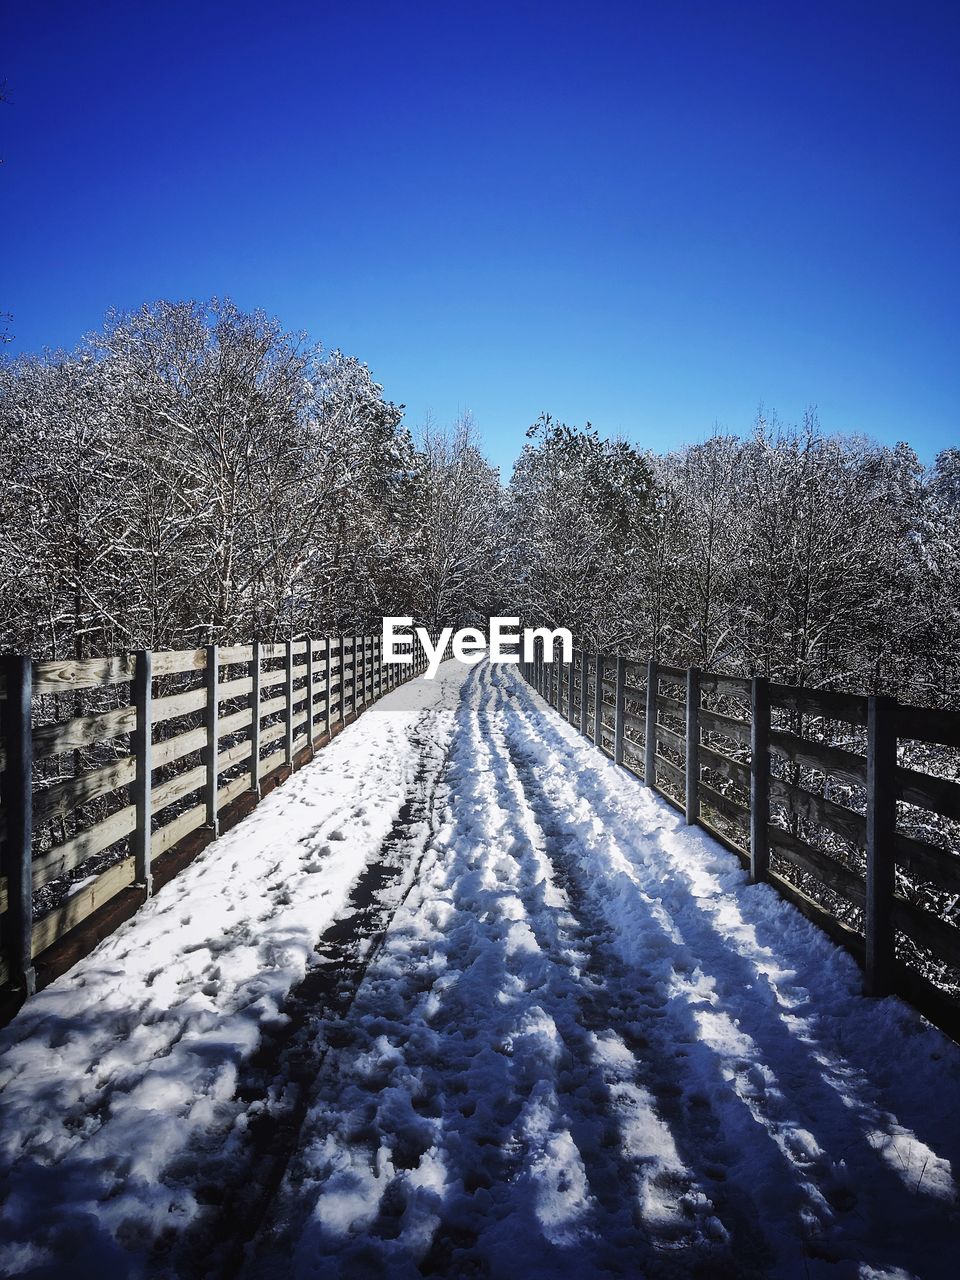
[
  {"x": 277, "y": 1082},
  {"x": 473, "y": 1125},
  {"x": 523, "y": 1087},
  {"x": 792, "y": 1132},
  {"x": 619, "y": 1007}
]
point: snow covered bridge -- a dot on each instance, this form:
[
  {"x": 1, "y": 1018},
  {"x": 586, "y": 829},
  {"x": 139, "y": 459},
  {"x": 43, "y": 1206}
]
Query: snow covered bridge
[{"x": 461, "y": 998}]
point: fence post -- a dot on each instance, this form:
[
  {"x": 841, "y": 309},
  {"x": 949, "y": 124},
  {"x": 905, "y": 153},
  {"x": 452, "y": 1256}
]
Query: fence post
[
  {"x": 255, "y": 670},
  {"x": 342, "y": 689},
  {"x": 310, "y": 678},
  {"x": 328, "y": 685},
  {"x": 571, "y": 672},
  {"x": 881, "y": 826},
  {"x": 18, "y": 802},
  {"x": 598, "y": 701},
  {"x": 142, "y": 743},
  {"x": 211, "y": 725},
  {"x": 650, "y": 725},
  {"x": 759, "y": 779},
  {"x": 288, "y": 708},
  {"x": 692, "y": 769},
  {"x": 584, "y": 682},
  {"x": 619, "y": 708}
]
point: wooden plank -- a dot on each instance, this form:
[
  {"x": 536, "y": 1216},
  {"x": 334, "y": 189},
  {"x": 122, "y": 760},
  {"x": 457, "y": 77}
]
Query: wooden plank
[
  {"x": 272, "y": 762},
  {"x": 724, "y": 839},
  {"x": 927, "y": 792},
  {"x": 82, "y": 904},
  {"x": 236, "y": 721},
  {"x": 179, "y": 704},
  {"x": 833, "y": 761},
  {"x": 678, "y": 673},
  {"x": 184, "y": 784},
  {"x": 672, "y": 739},
  {"x": 826, "y": 813},
  {"x": 235, "y": 653},
  {"x": 637, "y": 721},
  {"x": 233, "y": 755},
  {"x": 692, "y": 746},
  {"x": 177, "y": 747},
  {"x": 725, "y": 686},
  {"x": 272, "y": 706},
  {"x": 66, "y": 857},
  {"x": 942, "y": 1009},
  {"x": 61, "y": 799},
  {"x": 940, "y": 866},
  {"x": 82, "y": 731},
  {"x": 733, "y": 770},
  {"x": 729, "y": 726},
  {"x": 270, "y": 678},
  {"x": 183, "y": 824},
  {"x": 849, "y": 707},
  {"x": 927, "y": 930},
  {"x": 272, "y": 734},
  {"x": 672, "y": 801},
  {"x": 232, "y": 789},
  {"x": 927, "y": 724},
  {"x": 177, "y": 660},
  {"x": 673, "y": 705},
  {"x": 74, "y": 674},
  {"x": 672, "y": 771},
  {"x": 92, "y": 841},
  {"x": 818, "y": 863},
  {"x": 238, "y": 688},
  {"x": 841, "y": 933},
  {"x": 724, "y": 804}
]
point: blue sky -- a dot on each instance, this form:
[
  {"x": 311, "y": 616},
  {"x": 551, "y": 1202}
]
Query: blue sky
[{"x": 651, "y": 216}]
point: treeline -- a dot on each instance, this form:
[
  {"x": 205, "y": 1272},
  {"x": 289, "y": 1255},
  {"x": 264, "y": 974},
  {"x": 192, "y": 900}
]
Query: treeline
[
  {"x": 193, "y": 474},
  {"x": 196, "y": 474},
  {"x": 816, "y": 560}
]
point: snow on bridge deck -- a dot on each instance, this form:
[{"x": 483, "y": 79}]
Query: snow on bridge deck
[{"x": 583, "y": 1046}]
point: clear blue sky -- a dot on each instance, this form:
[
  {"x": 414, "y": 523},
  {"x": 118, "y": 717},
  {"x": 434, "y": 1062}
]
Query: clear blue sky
[{"x": 651, "y": 215}]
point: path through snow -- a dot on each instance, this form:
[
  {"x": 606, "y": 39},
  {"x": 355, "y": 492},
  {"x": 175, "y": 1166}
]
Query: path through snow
[{"x": 583, "y": 1047}]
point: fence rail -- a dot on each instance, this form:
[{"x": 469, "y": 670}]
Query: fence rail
[
  {"x": 810, "y": 789},
  {"x": 90, "y": 799}
]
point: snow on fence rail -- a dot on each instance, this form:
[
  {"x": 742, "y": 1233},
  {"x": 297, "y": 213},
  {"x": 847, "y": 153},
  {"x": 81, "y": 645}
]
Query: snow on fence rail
[
  {"x": 100, "y": 793},
  {"x": 815, "y": 791}
]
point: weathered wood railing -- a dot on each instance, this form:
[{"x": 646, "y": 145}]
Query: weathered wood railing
[
  {"x": 185, "y": 736},
  {"x": 815, "y": 791}
]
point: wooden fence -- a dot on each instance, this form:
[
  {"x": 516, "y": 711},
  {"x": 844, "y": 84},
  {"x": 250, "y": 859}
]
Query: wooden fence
[
  {"x": 813, "y": 790},
  {"x": 89, "y": 800}
]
